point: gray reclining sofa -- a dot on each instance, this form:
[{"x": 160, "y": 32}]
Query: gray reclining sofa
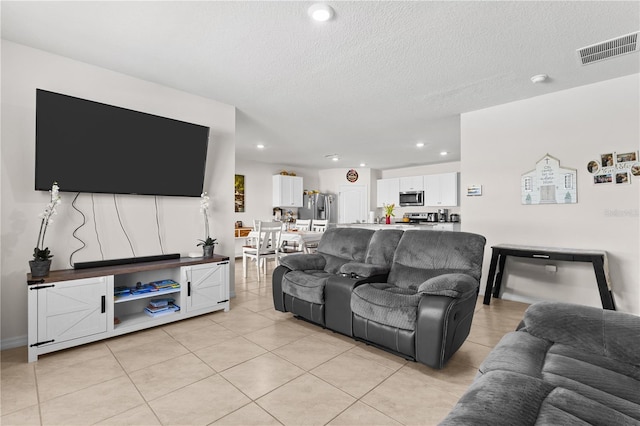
[
  {"x": 410, "y": 292},
  {"x": 566, "y": 365}
]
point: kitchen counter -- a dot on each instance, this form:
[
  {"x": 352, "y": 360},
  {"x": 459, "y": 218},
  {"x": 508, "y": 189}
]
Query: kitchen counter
[{"x": 440, "y": 226}]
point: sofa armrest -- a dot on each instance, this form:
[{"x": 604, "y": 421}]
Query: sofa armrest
[
  {"x": 451, "y": 285},
  {"x": 363, "y": 270},
  {"x": 276, "y": 283},
  {"x": 594, "y": 330},
  {"x": 442, "y": 325},
  {"x": 304, "y": 262}
]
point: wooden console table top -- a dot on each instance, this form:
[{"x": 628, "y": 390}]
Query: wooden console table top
[{"x": 75, "y": 274}]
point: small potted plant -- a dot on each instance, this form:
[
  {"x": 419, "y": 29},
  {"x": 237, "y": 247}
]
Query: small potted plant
[
  {"x": 41, "y": 263},
  {"x": 208, "y": 243},
  {"x": 388, "y": 211}
]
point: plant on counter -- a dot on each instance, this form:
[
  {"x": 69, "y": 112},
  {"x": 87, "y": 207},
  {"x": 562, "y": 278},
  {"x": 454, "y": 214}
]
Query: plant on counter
[{"x": 388, "y": 209}]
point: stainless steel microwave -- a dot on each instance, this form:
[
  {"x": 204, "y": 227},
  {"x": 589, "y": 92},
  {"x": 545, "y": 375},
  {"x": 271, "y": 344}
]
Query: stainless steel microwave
[{"x": 412, "y": 198}]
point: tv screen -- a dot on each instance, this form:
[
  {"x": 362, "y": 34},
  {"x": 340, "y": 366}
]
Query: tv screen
[{"x": 88, "y": 146}]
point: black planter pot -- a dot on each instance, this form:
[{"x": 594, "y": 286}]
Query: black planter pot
[
  {"x": 207, "y": 251},
  {"x": 40, "y": 268}
]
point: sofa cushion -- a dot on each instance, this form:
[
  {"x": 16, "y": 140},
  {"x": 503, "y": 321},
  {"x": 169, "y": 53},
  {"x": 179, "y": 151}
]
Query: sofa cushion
[
  {"x": 382, "y": 246},
  {"x": 306, "y": 285},
  {"x": 386, "y": 304},
  {"x": 421, "y": 255},
  {"x": 341, "y": 245},
  {"x": 508, "y": 398},
  {"x": 593, "y": 330}
]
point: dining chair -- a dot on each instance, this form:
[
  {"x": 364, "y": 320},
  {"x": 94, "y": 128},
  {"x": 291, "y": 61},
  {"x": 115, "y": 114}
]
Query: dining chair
[
  {"x": 293, "y": 246},
  {"x": 319, "y": 225},
  {"x": 267, "y": 246},
  {"x": 303, "y": 224}
]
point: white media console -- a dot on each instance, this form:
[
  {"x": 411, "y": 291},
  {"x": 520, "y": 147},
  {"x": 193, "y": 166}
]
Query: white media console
[{"x": 76, "y": 306}]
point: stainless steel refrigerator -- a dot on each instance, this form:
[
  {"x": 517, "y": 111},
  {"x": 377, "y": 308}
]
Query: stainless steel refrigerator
[{"x": 318, "y": 206}]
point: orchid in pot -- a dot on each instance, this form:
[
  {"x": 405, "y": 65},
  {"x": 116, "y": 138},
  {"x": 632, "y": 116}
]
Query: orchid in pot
[
  {"x": 208, "y": 243},
  {"x": 42, "y": 255},
  {"x": 388, "y": 211}
]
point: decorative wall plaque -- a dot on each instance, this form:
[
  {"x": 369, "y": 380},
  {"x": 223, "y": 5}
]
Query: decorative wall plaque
[
  {"x": 549, "y": 183},
  {"x": 352, "y": 175}
]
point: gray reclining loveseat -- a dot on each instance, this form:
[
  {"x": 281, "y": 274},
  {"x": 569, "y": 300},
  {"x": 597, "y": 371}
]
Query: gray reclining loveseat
[
  {"x": 566, "y": 365},
  {"x": 410, "y": 292}
]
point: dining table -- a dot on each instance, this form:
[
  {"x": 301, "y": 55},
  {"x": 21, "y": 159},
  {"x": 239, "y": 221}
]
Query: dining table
[{"x": 303, "y": 238}]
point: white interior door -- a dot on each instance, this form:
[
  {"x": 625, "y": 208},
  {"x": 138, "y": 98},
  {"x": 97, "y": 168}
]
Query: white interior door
[{"x": 352, "y": 203}]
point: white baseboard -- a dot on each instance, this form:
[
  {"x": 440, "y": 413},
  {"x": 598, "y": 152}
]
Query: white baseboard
[{"x": 13, "y": 342}]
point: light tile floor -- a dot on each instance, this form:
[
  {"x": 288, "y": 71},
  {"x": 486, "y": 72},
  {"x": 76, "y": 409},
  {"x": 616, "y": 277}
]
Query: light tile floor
[{"x": 250, "y": 366}]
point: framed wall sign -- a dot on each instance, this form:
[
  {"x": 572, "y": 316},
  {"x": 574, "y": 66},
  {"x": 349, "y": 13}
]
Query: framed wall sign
[{"x": 549, "y": 183}]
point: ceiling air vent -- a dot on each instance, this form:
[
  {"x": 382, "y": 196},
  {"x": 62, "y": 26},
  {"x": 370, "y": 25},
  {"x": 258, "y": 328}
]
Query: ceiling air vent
[{"x": 609, "y": 49}]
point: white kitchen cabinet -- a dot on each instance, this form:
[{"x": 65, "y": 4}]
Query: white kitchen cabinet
[
  {"x": 441, "y": 190},
  {"x": 388, "y": 192},
  {"x": 287, "y": 191},
  {"x": 411, "y": 183},
  {"x": 76, "y": 306}
]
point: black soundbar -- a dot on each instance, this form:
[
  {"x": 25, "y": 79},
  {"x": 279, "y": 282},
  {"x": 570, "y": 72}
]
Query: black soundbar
[{"x": 125, "y": 261}]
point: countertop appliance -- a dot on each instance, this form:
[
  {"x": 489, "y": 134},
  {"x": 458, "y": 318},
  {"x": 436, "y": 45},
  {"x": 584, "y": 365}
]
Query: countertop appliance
[
  {"x": 454, "y": 218},
  {"x": 422, "y": 217},
  {"x": 412, "y": 198},
  {"x": 443, "y": 215}
]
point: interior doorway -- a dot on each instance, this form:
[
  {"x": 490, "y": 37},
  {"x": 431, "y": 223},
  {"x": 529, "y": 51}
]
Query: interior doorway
[{"x": 352, "y": 203}]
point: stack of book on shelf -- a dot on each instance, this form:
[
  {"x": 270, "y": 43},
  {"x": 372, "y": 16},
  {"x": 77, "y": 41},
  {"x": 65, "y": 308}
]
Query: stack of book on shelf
[
  {"x": 145, "y": 288},
  {"x": 158, "y": 307},
  {"x": 164, "y": 284}
]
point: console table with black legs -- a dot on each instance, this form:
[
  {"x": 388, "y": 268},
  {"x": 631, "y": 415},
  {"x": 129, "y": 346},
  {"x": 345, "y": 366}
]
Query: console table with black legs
[{"x": 597, "y": 258}]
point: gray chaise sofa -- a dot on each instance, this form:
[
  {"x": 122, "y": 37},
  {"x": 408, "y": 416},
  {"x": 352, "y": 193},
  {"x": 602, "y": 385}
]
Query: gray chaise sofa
[
  {"x": 410, "y": 292},
  {"x": 566, "y": 365}
]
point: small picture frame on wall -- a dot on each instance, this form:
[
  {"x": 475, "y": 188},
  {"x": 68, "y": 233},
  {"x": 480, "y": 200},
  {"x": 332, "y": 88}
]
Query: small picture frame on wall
[
  {"x": 622, "y": 177},
  {"x": 626, "y": 157},
  {"x": 593, "y": 167},
  {"x": 474, "y": 190},
  {"x": 603, "y": 178},
  {"x": 607, "y": 159},
  {"x": 635, "y": 169}
]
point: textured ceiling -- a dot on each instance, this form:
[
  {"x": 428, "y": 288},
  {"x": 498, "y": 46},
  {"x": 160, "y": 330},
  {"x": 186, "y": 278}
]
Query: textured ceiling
[{"x": 367, "y": 85}]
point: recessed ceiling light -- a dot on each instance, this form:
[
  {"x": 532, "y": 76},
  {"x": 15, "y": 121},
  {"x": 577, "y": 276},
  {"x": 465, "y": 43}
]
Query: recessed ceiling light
[
  {"x": 260, "y": 146},
  {"x": 320, "y": 12},
  {"x": 539, "y": 78},
  {"x": 443, "y": 153},
  {"x": 335, "y": 159},
  {"x": 362, "y": 164},
  {"x": 420, "y": 144}
]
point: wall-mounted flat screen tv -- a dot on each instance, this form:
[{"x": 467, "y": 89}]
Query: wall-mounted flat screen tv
[{"x": 88, "y": 146}]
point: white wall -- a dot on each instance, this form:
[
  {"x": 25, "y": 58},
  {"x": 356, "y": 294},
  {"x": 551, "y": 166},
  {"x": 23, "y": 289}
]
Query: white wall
[
  {"x": 332, "y": 179},
  {"x": 25, "y": 69},
  {"x": 499, "y": 144},
  {"x": 259, "y": 187}
]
